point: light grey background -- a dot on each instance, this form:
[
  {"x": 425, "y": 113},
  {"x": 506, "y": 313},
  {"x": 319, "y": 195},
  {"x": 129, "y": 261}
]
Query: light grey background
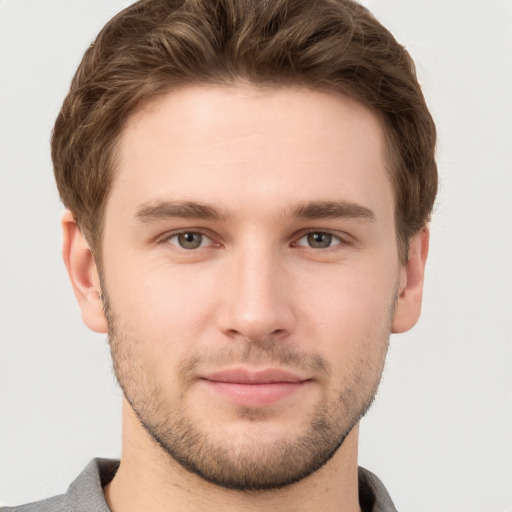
[{"x": 440, "y": 433}]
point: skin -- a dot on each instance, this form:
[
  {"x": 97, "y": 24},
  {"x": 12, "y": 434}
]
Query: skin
[{"x": 278, "y": 282}]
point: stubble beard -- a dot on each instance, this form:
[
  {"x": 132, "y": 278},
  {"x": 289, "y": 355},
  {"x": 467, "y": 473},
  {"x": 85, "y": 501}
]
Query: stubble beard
[{"x": 248, "y": 464}]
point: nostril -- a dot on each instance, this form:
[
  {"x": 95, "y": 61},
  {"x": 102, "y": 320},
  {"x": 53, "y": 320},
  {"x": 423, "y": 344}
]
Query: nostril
[{"x": 266, "y": 340}]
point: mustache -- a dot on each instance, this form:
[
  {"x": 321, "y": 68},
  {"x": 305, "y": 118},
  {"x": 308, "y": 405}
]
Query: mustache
[{"x": 266, "y": 353}]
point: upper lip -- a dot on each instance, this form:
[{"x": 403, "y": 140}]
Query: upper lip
[{"x": 246, "y": 376}]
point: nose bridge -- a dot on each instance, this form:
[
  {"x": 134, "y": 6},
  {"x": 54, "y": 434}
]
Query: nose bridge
[{"x": 256, "y": 303}]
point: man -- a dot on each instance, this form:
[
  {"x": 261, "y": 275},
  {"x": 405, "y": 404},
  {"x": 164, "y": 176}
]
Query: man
[{"x": 248, "y": 188}]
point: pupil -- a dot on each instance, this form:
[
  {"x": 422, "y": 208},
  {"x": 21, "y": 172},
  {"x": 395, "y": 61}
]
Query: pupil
[
  {"x": 190, "y": 240},
  {"x": 319, "y": 240}
]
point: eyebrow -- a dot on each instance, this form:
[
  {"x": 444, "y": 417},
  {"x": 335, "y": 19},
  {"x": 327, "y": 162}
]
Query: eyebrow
[
  {"x": 150, "y": 212},
  {"x": 182, "y": 209},
  {"x": 332, "y": 209}
]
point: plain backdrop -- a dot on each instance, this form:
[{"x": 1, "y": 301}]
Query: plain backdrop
[{"x": 440, "y": 432}]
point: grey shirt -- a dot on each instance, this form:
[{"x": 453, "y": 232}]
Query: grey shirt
[{"x": 85, "y": 494}]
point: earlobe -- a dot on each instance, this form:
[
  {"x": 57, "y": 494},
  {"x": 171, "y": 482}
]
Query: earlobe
[
  {"x": 83, "y": 273},
  {"x": 410, "y": 293}
]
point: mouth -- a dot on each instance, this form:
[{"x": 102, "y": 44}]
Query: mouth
[{"x": 254, "y": 388}]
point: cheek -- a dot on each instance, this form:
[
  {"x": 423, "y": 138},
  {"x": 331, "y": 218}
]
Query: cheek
[
  {"x": 172, "y": 309},
  {"x": 162, "y": 306},
  {"x": 349, "y": 308}
]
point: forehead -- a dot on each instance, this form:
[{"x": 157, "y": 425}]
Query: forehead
[{"x": 245, "y": 145}]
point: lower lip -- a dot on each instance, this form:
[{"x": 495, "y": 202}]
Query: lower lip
[{"x": 255, "y": 395}]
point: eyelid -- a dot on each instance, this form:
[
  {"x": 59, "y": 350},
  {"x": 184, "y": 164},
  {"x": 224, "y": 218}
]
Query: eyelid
[
  {"x": 342, "y": 237},
  {"x": 166, "y": 237}
]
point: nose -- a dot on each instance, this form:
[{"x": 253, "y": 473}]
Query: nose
[{"x": 256, "y": 297}]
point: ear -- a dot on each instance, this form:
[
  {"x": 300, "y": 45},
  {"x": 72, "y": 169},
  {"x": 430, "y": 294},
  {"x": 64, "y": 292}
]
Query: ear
[
  {"x": 83, "y": 274},
  {"x": 410, "y": 292}
]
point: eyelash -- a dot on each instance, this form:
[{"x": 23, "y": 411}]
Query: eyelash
[
  {"x": 332, "y": 237},
  {"x": 338, "y": 239},
  {"x": 168, "y": 239}
]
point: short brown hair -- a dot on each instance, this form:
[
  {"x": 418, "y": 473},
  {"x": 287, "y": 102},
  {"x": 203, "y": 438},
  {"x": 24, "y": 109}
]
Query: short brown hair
[{"x": 154, "y": 46}]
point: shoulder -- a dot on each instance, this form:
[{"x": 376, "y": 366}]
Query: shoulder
[
  {"x": 55, "y": 504},
  {"x": 85, "y": 494},
  {"x": 373, "y": 496}
]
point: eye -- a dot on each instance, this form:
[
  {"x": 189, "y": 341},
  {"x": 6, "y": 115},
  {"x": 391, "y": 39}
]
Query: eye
[
  {"x": 189, "y": 240},
  {"x": 318, "y": 240}
]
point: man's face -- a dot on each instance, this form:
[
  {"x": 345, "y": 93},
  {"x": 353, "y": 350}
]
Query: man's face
[{"x": 251, "y": 271}]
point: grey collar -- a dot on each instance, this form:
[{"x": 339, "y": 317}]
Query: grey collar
[{"x": 85, "y": 494}]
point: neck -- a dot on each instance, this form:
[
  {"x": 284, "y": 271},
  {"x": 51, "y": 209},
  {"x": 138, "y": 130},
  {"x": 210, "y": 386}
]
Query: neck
[{"x": 148, "y": 479}]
